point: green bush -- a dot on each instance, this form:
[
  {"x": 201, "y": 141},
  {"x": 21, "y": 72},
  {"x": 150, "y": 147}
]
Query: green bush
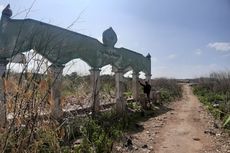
[
  {"x": 134, "y": 105},
  {"x": 41, "y": 140},
  {"x": 165, "y": 96},
  {"x": 99, "y": 134}
]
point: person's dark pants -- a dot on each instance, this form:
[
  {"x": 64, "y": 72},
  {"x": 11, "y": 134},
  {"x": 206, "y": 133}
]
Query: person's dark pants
[
  {"x": 148, "y": 100},
  {"x": 148, "y": 97}
]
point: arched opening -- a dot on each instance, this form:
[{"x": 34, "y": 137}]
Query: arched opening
[
  {"x": 128, "y": 92},
  {"x": 107, "y": 87},
  {"x": 26, "y": 78},
  {"x": 142, "y": 75},
  {"x": 128, "y": 74},
  {"x": 76, "y": 91},
  {"x": 77, "y": 65},
  {"x": 30, "y": 61},
  {"x": 106, "y": 70}
]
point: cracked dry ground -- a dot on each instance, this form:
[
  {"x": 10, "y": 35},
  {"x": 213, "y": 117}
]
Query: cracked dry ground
[{"x": 185, "y": 127}]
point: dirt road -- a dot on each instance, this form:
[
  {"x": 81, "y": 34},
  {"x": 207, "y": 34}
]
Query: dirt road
[
  {"x": 180, "y": 129},
  {"x": 184, "y": 130}
]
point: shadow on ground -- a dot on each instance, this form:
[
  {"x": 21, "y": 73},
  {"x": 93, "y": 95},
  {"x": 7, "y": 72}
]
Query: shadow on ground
[{"x": 134, "y": 126}]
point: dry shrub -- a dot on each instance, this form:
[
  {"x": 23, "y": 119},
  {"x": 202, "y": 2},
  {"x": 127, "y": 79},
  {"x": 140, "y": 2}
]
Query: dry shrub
[
  {"x": 29, "y": 128},
  {"x": 216, "y": 82},
  {"x": 214, "y": 91},
  {"x": 169, "y": 89}
]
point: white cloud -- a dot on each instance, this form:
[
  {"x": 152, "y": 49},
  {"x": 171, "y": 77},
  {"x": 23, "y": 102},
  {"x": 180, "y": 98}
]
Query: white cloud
[
  {"x": 198, "y": 51},
  {"x": 220, "y": 46},
  {"x": 171, "y": 56}
]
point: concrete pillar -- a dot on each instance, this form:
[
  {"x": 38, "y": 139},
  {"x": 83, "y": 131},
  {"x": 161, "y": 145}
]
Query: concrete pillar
[
  {"x": 148, "y": 74},
  {"x": 120, "y": 102},
  {"x": 3, "y": 111},
  {"x": 95, "y": 87},
  {"x": 55, "y": 73},
  {"x": 135, "y": 85}
]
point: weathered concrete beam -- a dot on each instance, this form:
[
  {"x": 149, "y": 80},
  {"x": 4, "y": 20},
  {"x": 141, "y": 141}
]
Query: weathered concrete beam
[{"x": 60, "y": 45}]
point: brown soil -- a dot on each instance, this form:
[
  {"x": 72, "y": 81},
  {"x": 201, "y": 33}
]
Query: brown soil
[{"x": 185, "y": 128}]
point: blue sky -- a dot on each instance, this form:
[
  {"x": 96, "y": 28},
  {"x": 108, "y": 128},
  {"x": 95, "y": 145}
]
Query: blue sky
[{"x": 186, "y": 38}]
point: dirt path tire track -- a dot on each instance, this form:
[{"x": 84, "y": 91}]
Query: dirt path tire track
[
  {"x": 184, "y": 130},
  {"x": 179, "y": 129}
]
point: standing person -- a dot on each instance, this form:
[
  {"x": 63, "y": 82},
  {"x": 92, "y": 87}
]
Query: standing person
[{"x": 146, "y": 89}]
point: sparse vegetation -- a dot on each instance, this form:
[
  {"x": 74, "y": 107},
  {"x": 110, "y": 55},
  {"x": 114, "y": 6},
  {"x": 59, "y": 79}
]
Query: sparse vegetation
[
  {"x": 169, "y": 89},
  {"x": 30, "y": 131},
  {"x": 214, "y": 92}
]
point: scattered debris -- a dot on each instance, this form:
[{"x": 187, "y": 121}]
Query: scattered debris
[
  {"x": 128, "y": 142},
  {"x": 196, "y": 139},
  {"x": 215, "y": 125},
  {"x": 77, "y": 142},
  {"x": 209, "y": 132},
  {"x": 216, "y": 103}
]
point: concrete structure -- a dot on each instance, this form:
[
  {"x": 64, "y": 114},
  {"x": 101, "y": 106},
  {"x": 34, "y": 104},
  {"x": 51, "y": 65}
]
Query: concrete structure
[
  {"x": 120, "y": 102},
  {"x": 95, "y": 84},
  {"x": 60, "y": 46},
  {"x": 55, "y": 74},
  {"x": 135, "y": 85},
  {"x": 3, "y": 64}
]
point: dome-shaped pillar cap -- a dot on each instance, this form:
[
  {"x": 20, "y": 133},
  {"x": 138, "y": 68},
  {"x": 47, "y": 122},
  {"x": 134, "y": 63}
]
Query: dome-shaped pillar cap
[
  {"x": 109, "y": 37},
  {"x": 148, "y": 56},
  {"x": 7, "y": 12}
]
